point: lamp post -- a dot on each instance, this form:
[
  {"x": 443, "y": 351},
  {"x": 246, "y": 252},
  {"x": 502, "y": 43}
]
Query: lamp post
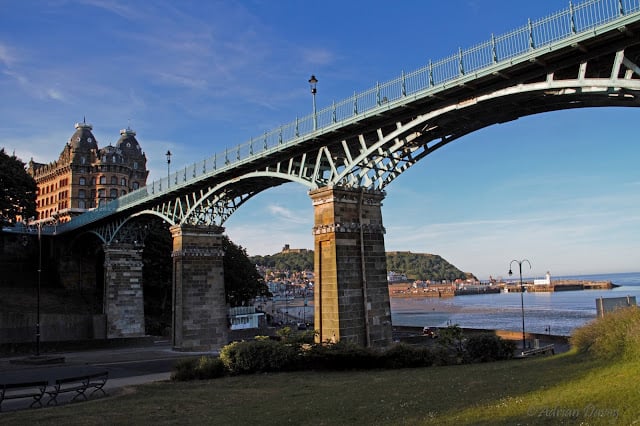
[
  {"x": 25, "y": 242},
  {"x": 312, "y": 82},
  {"x": 521, "y": 294},
  {"x": 168, "y": 154},
  {"x": 38, "y": 296},
  {"x": 286, "y": 302}
]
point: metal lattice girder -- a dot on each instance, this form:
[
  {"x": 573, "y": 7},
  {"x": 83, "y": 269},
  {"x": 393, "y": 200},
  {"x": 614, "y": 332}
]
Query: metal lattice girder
[
  {"x": 122, "y": 229},
  {"x": 378, "y": 147}
]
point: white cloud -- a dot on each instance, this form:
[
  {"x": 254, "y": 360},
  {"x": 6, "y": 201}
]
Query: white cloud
[
  {"x": 286, "y": 214},
  {"x": 6, "y": 57}
]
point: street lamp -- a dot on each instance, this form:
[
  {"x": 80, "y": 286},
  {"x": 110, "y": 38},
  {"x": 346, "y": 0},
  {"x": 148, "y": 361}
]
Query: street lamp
[
  {"x": 312, "y": 82},
  {"x": 168, "y": 154},
  {"x": 521, "y": 294},
  {"x": 25, "y": 243},
  {"x": 286, "y": 301}
]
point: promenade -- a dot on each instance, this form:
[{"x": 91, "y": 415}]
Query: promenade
[{"x": 127, "y": 366}]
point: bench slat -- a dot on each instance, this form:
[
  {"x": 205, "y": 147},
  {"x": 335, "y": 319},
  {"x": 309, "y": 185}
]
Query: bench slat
[
  {"x": 78, "y": 384},
  {"x": 35, "y": 390}
]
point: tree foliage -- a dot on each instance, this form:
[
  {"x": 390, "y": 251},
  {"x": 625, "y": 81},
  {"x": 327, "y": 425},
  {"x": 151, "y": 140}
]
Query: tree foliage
[
  {"x": 17, "y": 190},
  {"x": 290, "y": 261},
  {"x": 417, "y": 266},
  {"x": 423, "y": 266},
  {"x": 157, "y": 267},
  {"x": 242, "y": 282}
]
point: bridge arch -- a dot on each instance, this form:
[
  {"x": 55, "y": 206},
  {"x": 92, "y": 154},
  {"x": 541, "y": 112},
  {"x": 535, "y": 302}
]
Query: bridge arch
[
  {"x": 394, "y": 149},
  {"x": 348, "y": 163}
]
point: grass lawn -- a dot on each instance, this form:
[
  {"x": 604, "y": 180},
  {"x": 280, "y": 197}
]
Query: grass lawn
[{"x": 563, "y": 389}]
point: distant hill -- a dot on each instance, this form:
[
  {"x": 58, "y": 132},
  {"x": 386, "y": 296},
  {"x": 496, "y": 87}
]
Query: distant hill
[
  {"x": 423, "y": 266},
  {"x": 417, "y": 266},
  {"x": 288, "y": 260}
]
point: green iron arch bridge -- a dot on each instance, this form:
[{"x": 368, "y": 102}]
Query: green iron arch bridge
[{"x": 587, "y": 55}]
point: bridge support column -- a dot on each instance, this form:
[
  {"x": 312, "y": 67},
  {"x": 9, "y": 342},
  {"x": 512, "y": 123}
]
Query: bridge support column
[
  {"x": 123, "y": 301},
  {"x": 200, "y": 320},
  {"x": 351, "y": 296}
]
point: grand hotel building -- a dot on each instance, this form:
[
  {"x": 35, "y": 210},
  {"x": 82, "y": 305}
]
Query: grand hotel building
[{"x": 85, "y": 176}]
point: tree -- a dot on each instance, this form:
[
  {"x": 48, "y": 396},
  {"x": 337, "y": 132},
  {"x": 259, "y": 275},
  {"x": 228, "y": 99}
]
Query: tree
[
  {"x": 17, "y": 190},
  {"x": 156, "y": 271},
  {"x": 242, "y": 282}
]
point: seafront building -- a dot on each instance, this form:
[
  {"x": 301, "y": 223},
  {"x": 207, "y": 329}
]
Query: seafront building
[{"x": 85, "y": 176}]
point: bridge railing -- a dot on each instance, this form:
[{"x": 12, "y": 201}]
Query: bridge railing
[{"x": 576, "y": 19}]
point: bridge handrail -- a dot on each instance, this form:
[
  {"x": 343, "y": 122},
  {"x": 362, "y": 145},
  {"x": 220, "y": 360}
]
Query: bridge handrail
[{"x": 576, "y": 19}]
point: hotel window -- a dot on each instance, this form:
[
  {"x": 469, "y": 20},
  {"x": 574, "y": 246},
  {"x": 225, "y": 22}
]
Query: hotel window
[
  {"x": 82, "y": 194},
  {"x": 82, "y": 181},
  {"x": 136, "y": 185},
  {"x": 114, "y": 180},
  {"x": 100, "y": 193},
  {"x": 113, "y": 193},
  {"x": 81, "y": 204},
  {"x": 123, "y": 182},
  {"x": 135, "y": 165},
  {"x": 103, "y": 180}
]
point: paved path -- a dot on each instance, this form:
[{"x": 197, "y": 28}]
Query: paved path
[{"x": 126, "y": 367}]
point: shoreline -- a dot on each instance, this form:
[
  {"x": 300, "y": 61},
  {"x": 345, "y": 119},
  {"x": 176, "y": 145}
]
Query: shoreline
[{"x": 407, "y": 289}]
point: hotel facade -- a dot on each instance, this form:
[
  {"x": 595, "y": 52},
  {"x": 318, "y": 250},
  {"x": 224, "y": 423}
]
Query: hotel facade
[{"x": 85, "y": 176}]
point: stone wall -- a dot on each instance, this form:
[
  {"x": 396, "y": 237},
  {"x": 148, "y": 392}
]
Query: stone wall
[{"x": 17, "y": 327}]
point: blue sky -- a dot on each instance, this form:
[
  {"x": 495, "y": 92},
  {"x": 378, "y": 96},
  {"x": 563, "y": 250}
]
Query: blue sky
[{"x": 559, "y": 189}]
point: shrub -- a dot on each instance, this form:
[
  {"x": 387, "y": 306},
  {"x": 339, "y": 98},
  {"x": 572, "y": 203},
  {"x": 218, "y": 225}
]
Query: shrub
[
  {"x": 258, "y": 356},
  {"x": 209, "y": 367},
  {"x": 340, "y": 356},
  {"x": 617, "y": 334},
  {"x": 488, "y": 347},
  {"x": 184, "y": 369},
  {"x": 404, "y": 356},
  {"x": 205, "y": 367}
]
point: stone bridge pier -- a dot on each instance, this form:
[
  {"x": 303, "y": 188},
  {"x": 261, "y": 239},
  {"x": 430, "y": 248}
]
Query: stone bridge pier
[
  {"x": 123, "y": 299},
  {"x": 200, "y": 320},
  {"x": 351, "y": 296}
]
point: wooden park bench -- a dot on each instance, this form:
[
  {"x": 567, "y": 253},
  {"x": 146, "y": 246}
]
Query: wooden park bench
[
  {"x": 80, "y": 385},
  {"x": 33, "y": 390}
]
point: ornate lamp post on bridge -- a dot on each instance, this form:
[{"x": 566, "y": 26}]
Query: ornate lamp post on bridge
[
  {"x": 168, "y": 154},
  {"x": 521, "y": 295},
  {"x": 312, "y": 82}
]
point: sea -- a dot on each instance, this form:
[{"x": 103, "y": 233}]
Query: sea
[{"x": 557, "y": 313}]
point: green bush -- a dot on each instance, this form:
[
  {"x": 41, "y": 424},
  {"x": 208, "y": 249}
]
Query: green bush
[
  {"x": 258, "y": 356},
  {"x": 209, "y": 367},
  {"x": 617, "y": 334},
  {"x": 340, "y": 356},
  {"x": 405, "y": 356},
  {"x": 184, "y": 369},
  {"x": 488, "y": 347},
  {"x": 205, "y": 367}
]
